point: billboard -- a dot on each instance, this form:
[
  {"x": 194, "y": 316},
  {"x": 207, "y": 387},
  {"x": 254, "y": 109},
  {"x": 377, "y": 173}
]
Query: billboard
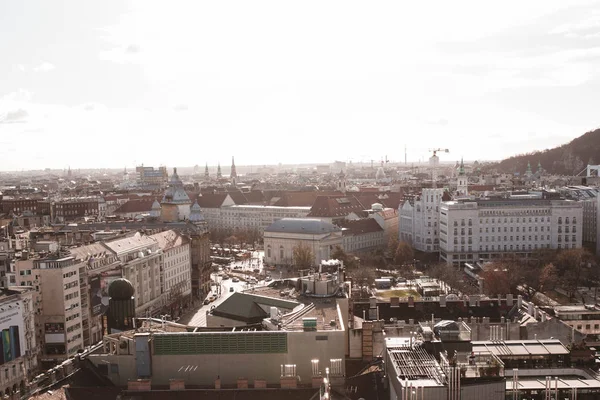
[
  {"x": 12, "y": 332},
  {"x": 99, "y": 290}
]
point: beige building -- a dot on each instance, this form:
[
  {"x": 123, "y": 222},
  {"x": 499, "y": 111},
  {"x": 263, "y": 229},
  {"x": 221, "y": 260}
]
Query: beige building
[
  {"x": 100, "y": 267},
  {"x": 281, "y": 237},
  {"x": 60, "y": 314},
  {"x": 19, "y": 363},
  {"x": 176, "y": 279},
  {"x": 140, "y": 258}
]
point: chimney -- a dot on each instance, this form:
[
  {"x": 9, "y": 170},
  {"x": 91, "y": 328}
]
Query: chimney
[
  {"x": 519, "y": 301},
  {"x": 218, "y": 383},
  {"x": 442, "y": 300},
  {"x": 260, "y": 384},
  {"x": 176, "y": 384},
  {"x": 509, "y": 300},
  {"x": 288, "y": 382},
  {"x": 242, "y": 383},
  {"x": 139, "y": 384}
]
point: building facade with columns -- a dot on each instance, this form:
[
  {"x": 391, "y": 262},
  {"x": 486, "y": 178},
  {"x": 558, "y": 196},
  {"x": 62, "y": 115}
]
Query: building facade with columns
[{"x": 484, "y": 230}]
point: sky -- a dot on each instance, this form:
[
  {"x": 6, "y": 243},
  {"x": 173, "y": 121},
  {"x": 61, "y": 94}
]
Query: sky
[{"x": 121, "y": 83}]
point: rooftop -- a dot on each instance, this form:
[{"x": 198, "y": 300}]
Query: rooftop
[{"x": 302, "y": 225}]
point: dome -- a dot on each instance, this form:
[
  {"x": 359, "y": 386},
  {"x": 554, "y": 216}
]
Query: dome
[
  {"x": 380, "y": 174},
  {"x": 121, "y": 289}
]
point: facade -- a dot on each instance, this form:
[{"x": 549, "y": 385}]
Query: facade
[
  {"x": 72, "y": 209},
  {"x": 281, "y": 237},
  {"x": 590, "y": 223},
  {"x": 19, "y": 363},
  {"x": 100, "y": 266},
  {"x": 175, "y": 204},
  {"x": 141, "y": 258},
  {"x": 362, "y": 235},
  {"x": 255, "y": 217},
  {"x": 148, "y": 176},
  {"x": 419, "y": 220},
  {"x": 387, "y": 218},
  {"x": 482, "y": 230},
  {"x": 176, "y": 281},
  {"x": 60, "y": 316}
]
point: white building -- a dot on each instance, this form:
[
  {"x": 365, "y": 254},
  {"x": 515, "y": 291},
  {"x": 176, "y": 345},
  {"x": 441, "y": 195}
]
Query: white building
[
  {"x": 481, "y": 230},
  {"x": 254, "y": 217},
  {"x": 141, "y": 257},
  {"x": 419, "y": 220},
  {"x": 281, "y": 237},
  {"x": 177, "y": 267}
]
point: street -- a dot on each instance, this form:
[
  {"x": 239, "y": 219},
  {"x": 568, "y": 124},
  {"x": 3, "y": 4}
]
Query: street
[{"x": 197, "y": 317}]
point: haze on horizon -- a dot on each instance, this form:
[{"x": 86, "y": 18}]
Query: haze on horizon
[{"x": 113, "y": 84}]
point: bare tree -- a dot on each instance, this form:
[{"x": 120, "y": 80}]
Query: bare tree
[
  {"x": 404, "y": 253},
  {"x": 303, "y": 256}
]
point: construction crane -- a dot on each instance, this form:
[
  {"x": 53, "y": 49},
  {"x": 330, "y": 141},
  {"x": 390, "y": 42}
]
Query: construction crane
[{"x": 434, "y": 160}]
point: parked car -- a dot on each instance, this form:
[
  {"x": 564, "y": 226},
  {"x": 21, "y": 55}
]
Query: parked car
[
  {"x": 235, "y": 279},
  {"x": 268, "y": 278},
  {"x": 231, "y": 289},
  {"x": 225, "y": 277},
  {"x": 207, "y": 301}
]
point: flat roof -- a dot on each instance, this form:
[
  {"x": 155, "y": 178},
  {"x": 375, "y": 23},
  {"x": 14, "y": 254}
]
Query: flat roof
[
  {"x": 516, "y": 348},
  {"x": 539, "y": 383}
]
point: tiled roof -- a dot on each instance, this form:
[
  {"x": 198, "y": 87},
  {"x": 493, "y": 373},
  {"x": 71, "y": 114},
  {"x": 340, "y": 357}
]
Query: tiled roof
[
  {"x": 361, "y": 226},
  {"x": 140, "y": 205},
  {"x": 211, "y": 200},
  {"x": 297, "y": 199},
  {"x": 335, "y": 206},
  {"x": 389, "y": 213},
  {"x": 255, "y": 197},
  {"x": 302, "y": 225},
  {"x": 169, "y": 239},
  {"x": 238, "y": 197}
]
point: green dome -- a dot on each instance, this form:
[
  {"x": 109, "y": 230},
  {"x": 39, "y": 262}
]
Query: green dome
[{"x": 121, "y": 289}]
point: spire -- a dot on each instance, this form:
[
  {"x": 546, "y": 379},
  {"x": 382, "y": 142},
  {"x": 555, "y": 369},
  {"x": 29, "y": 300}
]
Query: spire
[
  {"x": 206, "y": 175},
  {"x": 528, "y": 171},
  {"x": 219, "y": 176},
  {"x": 233, "y": 172},
  {"x": 461, "y": 170}
]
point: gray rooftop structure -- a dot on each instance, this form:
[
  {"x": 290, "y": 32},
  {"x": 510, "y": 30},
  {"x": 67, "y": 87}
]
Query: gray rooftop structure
[{"x": 302, "y": 225}]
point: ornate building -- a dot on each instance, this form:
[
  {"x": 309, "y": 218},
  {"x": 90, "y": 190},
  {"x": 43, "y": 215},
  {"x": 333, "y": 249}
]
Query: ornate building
[{"x": 175, "y": 205}]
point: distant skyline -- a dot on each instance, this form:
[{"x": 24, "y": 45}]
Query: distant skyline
[{"x": 100, "y": 85}]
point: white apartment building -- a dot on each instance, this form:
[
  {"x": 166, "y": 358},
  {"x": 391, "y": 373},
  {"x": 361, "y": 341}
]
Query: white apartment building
[
  {"x": 141, "y": 258},
  {"x": 60, "y": 317},
  {"x": 419, "y": 220},
  {"x": 176, "y": 273},
  {"x": 482, "y": 230}
]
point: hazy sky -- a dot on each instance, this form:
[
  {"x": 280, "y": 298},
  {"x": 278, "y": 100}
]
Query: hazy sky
[{"x": 113, "y": 83}]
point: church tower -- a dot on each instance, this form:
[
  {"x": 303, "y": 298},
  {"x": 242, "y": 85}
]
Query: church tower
[
  {"x": 462, "y": 184},
  {"x": 341, "y": 182},
  {"x": 206, "y": 174},
  {"x": 176, "y": 204},
  {"x": 219, "y": 175},
  {"x": 233, "y": 175}
]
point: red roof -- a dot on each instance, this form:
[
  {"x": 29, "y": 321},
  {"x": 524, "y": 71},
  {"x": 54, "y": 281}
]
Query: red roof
[
  {"x": 141, "y": 205},
  {"x": 335, "y": 206},
  {"x": 361, "y": 226},
  {"x": 211, "y": 200}
]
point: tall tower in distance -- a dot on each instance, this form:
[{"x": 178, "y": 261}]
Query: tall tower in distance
[
  {"x": 462, "y": 184},
  {"x": 206, "y": 174},
  {"x": 233, "y": 174},
  {"x": 219, "y": 175}
]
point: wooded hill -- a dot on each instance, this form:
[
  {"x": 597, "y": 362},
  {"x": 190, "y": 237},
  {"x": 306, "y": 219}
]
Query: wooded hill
[{"x": 568, "y": 159}]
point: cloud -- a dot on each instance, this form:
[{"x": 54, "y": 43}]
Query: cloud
[
  {"x": 15, "y": 116},
  {"x": 181, "y": 107},
  {"x": 44, "y": 67}
]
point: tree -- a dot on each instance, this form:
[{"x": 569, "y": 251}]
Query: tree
[
  {"x": 572, "y": 267},
  {"x": 548, "y": 277},
  {"x": 404, "y": 253},
  {"x": 393, "y": 245},
  {"x": 303, "y": 256},
  {"x": 348, "y": 260}
]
